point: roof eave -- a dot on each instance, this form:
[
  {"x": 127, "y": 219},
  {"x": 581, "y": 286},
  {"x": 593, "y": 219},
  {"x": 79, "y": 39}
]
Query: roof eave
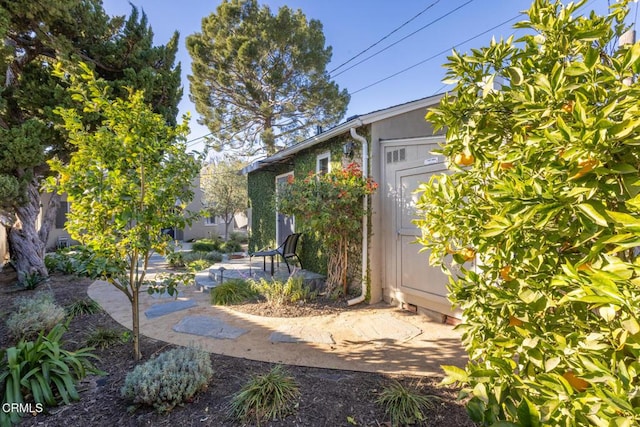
[{"x": 342, "y": 128}]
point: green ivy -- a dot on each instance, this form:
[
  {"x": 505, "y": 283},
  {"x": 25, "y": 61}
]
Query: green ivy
[{"x": 262, "y": 195}]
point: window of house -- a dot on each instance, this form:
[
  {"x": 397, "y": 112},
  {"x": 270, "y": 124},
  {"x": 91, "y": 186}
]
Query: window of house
[
  {"x": 323, "y": 163},
  {"x": 61, "y": 215},
  {"x": 209, "y": 220}
]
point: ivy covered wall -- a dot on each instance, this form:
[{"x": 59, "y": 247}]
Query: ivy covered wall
[
  {"x": 262, "y": 191},
  {"x": 261, "y": 187}
]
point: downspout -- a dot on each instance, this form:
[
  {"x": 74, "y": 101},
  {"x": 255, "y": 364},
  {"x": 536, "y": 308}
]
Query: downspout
[{"x": 365, "y": 217}]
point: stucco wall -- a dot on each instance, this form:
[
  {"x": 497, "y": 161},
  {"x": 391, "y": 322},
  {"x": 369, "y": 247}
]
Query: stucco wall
[{"x": 405, "y": 126}]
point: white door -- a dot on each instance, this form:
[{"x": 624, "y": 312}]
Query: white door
[{"x": 285, "y": 225}]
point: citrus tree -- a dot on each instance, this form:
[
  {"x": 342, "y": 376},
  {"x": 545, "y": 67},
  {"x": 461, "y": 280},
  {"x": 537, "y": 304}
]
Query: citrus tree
[
  {"x": 543, "y": 193},
  {"x": 329, "y": 206},
  {"x": 124, "y": 181}
]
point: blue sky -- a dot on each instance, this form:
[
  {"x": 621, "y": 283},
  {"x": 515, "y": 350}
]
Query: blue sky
[{"x": 351, "y": 26}]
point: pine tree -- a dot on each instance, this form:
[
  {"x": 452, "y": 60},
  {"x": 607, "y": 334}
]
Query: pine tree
[{"x": 259, "y": 80}]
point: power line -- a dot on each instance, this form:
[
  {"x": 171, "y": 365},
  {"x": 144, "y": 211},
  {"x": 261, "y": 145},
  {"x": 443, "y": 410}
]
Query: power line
[
  {"x": 444, "y": 51},
  {"x": 404, "y": 38},
  {"x": 195, "y": 140},
  {"x": 385, "y": 37},
  {"x": 436, "y": 55}
]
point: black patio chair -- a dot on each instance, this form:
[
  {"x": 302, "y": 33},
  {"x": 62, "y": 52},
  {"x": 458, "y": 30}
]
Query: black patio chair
[{"x": 286, "y": 250}]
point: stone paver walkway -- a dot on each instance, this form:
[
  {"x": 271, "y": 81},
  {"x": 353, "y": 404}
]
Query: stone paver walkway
[{"x": 375, "y": 338}]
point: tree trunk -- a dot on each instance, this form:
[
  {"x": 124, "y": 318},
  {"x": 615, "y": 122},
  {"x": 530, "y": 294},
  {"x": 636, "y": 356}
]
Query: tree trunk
[
  {"x": 345, "y": 265},
  {"x": 226, "y": 227},
  {"x": 27, "y": 249},
  {"x": 135, "y": 327},
  {"x": 49, "y": 218}
]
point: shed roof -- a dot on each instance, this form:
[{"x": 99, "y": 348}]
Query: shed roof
[{"x": 355, "y": 121}]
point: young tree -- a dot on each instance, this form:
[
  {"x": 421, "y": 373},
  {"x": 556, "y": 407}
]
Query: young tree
[
  {"x": 224, "y": 190},
  {"x": 35, "y": 35},
  {"x": 260, "y": 79},
  {"x": 544, "y": 194},
  {"x": 123, "y": 180}
]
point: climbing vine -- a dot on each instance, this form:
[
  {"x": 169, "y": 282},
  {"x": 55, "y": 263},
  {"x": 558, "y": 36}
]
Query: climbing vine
[{"x": 329, "y": 206}]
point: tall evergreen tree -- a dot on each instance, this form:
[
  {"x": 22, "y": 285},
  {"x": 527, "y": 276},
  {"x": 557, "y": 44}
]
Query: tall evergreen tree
[
  {"x": 259, "y": 79},
  {"x": 35, "y": 36}
]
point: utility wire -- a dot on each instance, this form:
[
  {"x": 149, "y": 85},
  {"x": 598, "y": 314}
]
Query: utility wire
[
  {"x": 435, "y": 56},
  {"x": 385, "y": 37},
  {"x": 443, "y": 52},
  {"x": 196, "y": 140},
  {"x": 404, "y": 38}
]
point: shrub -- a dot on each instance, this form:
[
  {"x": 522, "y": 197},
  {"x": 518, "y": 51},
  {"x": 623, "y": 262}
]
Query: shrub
[
  {"x": 198, "y": 265},
  {"x": 59, "y": 261},
  {"x": 334, "y": 201},
  {"x": 106, "y": 337},
  {"x": 231, "y": 246},
  {"x": 83, "y": 306},
  {"x": 206, "y": 245},
  {"x": 34, "y": 314},
  {"x": 543, "y": 193},
  {"x": 212, "y": 256},
  {"x": 239, "y": 237},
  {"x": 280, "y": 293},
  {"x": 43, "y": 371},
  {"x": 171, "y": 378},
  {"x": 81, "y": 261},
  {"x": 232, "y": 291},
  {"x": 405, "y": 406},
  {"x": 265, "y": 397},
  {"x": 175, "y": 259},
  {"x": 32, "y": 280}
]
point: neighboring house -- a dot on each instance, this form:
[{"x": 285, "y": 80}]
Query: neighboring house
[
  {"x": 202, "y": 227},
  {"x": 399, "y": 143}
]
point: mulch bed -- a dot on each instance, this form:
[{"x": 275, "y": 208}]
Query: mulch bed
[{"x": 329, "y": 397}]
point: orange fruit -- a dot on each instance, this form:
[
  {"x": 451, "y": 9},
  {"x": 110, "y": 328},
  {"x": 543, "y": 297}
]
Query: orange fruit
[
  {"x": 467, "y": 253},
  {"x": 568, "y": 107},
  {"x": 584, "y": 267},
  {"x": 586, "y": 166},
  {"x": 577, "y": 383},
  {"x": 504, "y": 273},
  {"x": 464, "y": 159},
  {"x": 514, "y": 321},
  {"x": 506, "y": 166}
]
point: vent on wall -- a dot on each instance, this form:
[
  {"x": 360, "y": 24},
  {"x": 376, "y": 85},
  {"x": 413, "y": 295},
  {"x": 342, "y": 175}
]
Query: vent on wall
[{"x": 396, "y": 156}]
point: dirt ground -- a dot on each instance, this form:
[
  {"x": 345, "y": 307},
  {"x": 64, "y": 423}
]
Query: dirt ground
[{"x": 328, "y": 397}]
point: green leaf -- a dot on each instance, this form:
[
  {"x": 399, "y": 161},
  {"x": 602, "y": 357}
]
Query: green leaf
[
  {"x": 454, "y": 374},
  {"x": 631, "y": 325},
  {"x": 632, "y": 55},
  {"x": 576, "y": 69},
  {"x": 627, "y": 221},
  {"x": 594, "y": 211},
  {"x": 515, "y": 75},
  {"x": 591, "y": 57},
  {"x": 528, "y": 415},
  {"x": 563, "y": 128},
  {"x": 480, "y": 391}
]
